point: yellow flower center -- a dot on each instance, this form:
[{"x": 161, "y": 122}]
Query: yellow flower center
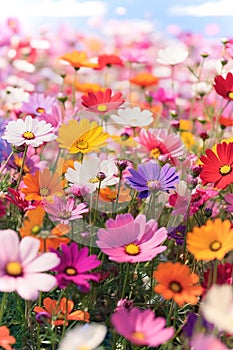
[
  {"x": 14, "y": 268},
  {"x": 93, "y": 180},
  {"x": 82, "y": 144},
  {"x": 44, "y": 192},
  {"x": 40, "y": 110},
  {"x": 215, "y": 246},
  {"x": 138, "y": 335},
  {"x": 225, "y": 169},
  {"x": 230, "y": 95},
  {"x": 175, "y": 287},
  {"x": 155, "y": 153},
  {"x": 28, "y": 135},
  {"x": 102, "y": 108},
  {"x": 132, "y": 249},
  {"x": 71, "y": 271},
  {"x": 35, "y": 229}
]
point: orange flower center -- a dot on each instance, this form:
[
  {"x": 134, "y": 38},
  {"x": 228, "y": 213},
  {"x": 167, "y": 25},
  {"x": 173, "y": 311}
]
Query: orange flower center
[
  {"x": 225, "y": 170},
  {"x": 132, "y": 249},
  {"x": 40, "y": 110},
  {"x": 155, "y": 153},
  {"x": 102, "y": 108},
  {"x": 215, "y": 246},
  {"x": 44, "y": 192},
  {"x": 175, "y": 287},
  {"x": 71, "y": 271},
  {"x": 28, "y": 135},
  {"x": 35, "y": 229},
  {"x": 138, "y": 335},
  {"x": 82, "y": 144},
  {"x": 14, "y": 268},
  {"x": 230, "y": 95}
]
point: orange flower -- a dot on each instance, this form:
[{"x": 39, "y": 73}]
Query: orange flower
[
  {"x": 176, "y": 281},
  {"x": 144, "y": 79},
  {"x": 78, "y": 59},
  {"x": 6, "y": 339},
  {"x": 33, "y": 226},
  {"x": 58, "y": 312},
  {"x": 42, "y": 185},
  {"x": 109, "y": 195}
]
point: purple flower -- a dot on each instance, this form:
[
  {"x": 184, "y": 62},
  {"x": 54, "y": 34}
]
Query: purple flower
[
  {"x": 75, "y": 265},
  {"x": 150, "y": 177},
  {"x": 194, "y": 319},
  {"x": 177, "y": 233}
]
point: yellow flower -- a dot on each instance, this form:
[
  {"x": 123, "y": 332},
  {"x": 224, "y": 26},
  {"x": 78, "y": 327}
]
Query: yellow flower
[
  {"x": 81, "y": 137},
  {"x": 211, "y": 241}
]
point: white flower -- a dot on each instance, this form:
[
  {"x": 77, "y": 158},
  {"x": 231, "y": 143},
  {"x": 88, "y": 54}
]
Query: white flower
[
  {"x": 172, "y": 55},
  {"x": 86, "y": 173},
  {"x": 14, "y": 96},
  {"x": 217, "y": 307},
  {"x": 29, "y": 131},
  {"x": 201, "y": 88},
  {"x": 133, "y": 117},
  {"x": 87, "y": 337}
]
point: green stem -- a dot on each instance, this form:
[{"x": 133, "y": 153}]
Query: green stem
[
  {"x": 5, "y": 164},
  {"x": 4, "y": 297},
  {"x": 22, "y": 166},
  {"x": 118, "y": 192},
  {"x": 73, "y": 87},
  {"x": 125, "y": 281}
]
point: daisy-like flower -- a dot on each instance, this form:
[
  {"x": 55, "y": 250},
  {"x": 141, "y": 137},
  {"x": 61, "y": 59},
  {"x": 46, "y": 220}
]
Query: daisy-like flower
[
  {"x": 81, "y": 137},
  {"x": 217, "y": 307},
  {"x": 133, "y": 117},
  {"x": 57, "y": 312},
  {"x": 126, "y": 239},
  {"x": 6, "y": 340},
  {"x": 38, "y": 104},
  {"x": 21, "y": 268},
  {"x": 172, "y": 55},
  {"x": 109, "y": 60},
  {"x": 211, "y": 241},
  {"x": 64, "y": 209},
  {"x": 218, "y": 166},
  {"x": 224, "y": 275},
  {"x": 141, "y": 327},
  {"x": 28, "y": 132},
  {"x": 150, "y": 177},
  {"x": 159, "y": 142},
  {"x": 176, "y": 281},
  {"x": 144, "y": 79},
  {"x": 75, "y": 265},
  {"x": 78, "y": 59},
  {"x": 86, "y": 174},
  {"x": 102, "y": 102},
  {"x": 224, "y": 86},
  {"x": 89, "y": 336},
  {"x": 42, "y": 185}
]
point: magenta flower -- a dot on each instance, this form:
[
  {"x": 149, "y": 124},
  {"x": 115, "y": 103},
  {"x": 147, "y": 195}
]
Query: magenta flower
[
  {"x": 150, "y": 177},
  {"x": 126, "y": 239},
  {"x": 75, "y": 265},
  {"x": 141, "y": 327},
  {"x": 65, "y": 210},
  {"x": 21, "y": 268}
]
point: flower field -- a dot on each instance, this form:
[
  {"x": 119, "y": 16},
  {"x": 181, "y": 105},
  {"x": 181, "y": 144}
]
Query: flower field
[{"x": 116, "y": 190}]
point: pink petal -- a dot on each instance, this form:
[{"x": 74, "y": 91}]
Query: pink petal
[
  {"x": 44, "y": 262},
  {"x": 28, "y": 247},
  {"x": 9, "y": 243},
  {"x": 7, "y": 284}
]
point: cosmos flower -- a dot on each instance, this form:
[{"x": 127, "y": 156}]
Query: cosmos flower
[
  {"x": 102, "y": 102},
  {"x": 176, "y": 281},
  {"x": 75, "y": 266},
  {"x": 172, "y": 55},
  {"x": 126, "y": 239},
  {"x": 38, "y": 104},
  {"x": 211, "y": 241},
  {"x": 150, "y": 177},
  {"x": 202, "y": 341},
  {"x": 78, "y": 59},
  {"x": 109, "y": 60},
  {"x": 133, "y": 117},
  {"x": 224, "y": 86},
  {"x": 144, "y": 79},
  {"x": 28, "y": 132},
  {"x": 218, "y": 166},
  {"x": 6, "y": 340},
  {"x": 89, "y": 336},
  {"x": 22, "y": 269},
  {"x": 141, "y": 327}
]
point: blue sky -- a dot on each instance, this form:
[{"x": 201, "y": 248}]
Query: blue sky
[{"x": 190, "y": 15}]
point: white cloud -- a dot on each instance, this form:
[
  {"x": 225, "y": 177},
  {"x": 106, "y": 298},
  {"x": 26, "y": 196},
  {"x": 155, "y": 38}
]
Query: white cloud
[
  {"x": 208, "y": 8},
  {"x": 50, "y": 8}
]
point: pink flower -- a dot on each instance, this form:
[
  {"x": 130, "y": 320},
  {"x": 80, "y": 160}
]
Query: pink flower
[
  {"x": 141, "y": 327},
  {"x": 229, "y": 199},
  {"x": 206, "y": 342},
  {"x": 21, "y": 267},
  {"x": 126, "y": 239},
  {"x": 65, "y": 210}
]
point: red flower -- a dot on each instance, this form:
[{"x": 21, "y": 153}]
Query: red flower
[
  {"x": 109, "y": 60},
  {"x": 217, "y": 167},
  {"x": 224, "y": 87},
  {"x": 224, "y": 276},
  {"x": 102, "y": 102}
]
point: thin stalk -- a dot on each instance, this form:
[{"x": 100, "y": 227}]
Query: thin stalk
[{"x": 22, "y": 166}]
